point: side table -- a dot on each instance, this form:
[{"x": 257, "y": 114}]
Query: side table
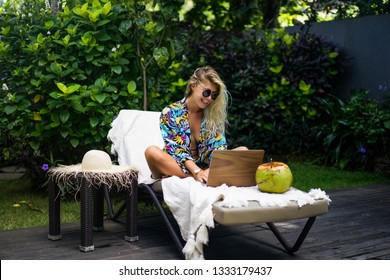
[{"x": 91, "y": 186}]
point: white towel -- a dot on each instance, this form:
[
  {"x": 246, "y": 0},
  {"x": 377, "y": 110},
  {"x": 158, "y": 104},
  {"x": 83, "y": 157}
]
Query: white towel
[
  {"x": 191, "y": 204},
  {"x": 131, "y": 133}
]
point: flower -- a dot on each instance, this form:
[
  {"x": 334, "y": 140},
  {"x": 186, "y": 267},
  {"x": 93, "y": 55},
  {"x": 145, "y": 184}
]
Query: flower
[
  {"x": 45, "y": 167},
  {"x": 381, "y": 87},
  {"x": 362, "y": 150}
]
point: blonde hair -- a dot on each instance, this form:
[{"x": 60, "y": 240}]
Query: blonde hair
[{"x": 216, "y": 112}]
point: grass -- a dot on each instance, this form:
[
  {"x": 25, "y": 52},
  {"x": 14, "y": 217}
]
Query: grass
[
  {"x": 22, "y": 208},
  {"x": 308, "y": 176}
]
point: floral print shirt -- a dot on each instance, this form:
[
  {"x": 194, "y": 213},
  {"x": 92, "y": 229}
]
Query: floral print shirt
[{"x": 175, "y": 130}]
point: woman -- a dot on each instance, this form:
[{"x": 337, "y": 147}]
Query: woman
[{"x": 192, "y": 129}]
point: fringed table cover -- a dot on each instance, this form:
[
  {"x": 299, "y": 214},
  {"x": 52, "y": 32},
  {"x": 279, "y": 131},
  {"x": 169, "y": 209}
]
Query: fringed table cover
[{"x": 67, "y": 176}]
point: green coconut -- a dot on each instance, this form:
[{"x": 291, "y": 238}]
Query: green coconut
[{"x": 274, "y": 177}]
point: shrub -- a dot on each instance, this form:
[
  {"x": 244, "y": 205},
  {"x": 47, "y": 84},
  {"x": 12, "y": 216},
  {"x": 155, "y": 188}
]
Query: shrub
[
  {"x": 358, "y": 133},
  {"x": 66, "y": 76}
]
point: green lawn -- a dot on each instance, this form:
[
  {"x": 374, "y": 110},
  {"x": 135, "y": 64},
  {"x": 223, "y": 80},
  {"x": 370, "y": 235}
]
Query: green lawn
[
  {"x": 307, "y": 176},
  {"x": 22, "y": 208}
]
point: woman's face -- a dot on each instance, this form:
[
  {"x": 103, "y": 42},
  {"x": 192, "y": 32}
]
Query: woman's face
[{"x": 203, "y": 94}]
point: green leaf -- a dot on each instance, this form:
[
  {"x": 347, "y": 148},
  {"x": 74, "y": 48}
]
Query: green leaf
[
  {"x": 64, "y": 116},
  {"x": 288, "y": 39},
  {"x": 55, "y": 68},
  {"x": 40, "y": 38},
  {"x": 65, "y": 40},
  {"x": 161, "y": 55},
  {"x": 74, "y": 142},
  {"x": 284, "y": 82},
  {"x": 303, "y": 86},
  {"x": 333, "y": 54},
  {"x": 131, "y": 87},
  {"x": 312, "y": 112},
  {"x": 49, "y": 24},
  {"x": 125, "y": 26},
  {"x": 94, "y": 121},
  {"x": 72, "y": 29},
  {"x": 282, "y": 105},
  {"x": 89, "y": 57},
  {"x": 73, "y": 88},
  {"x": 66, "y": 72},
  {"x": 54, "y": 124},
  {"x": 150, "y": 25},
  {"x": 103, "y": 22},
  {"x": 86, "y": 38},
  {"x": 100, "y": 97},
  {"x": 96, "y": 4},
  {"x": 64, "y": 133},
  {"x": 117, "y": 69},
  {"x": 81, "y": 11},
  {"x": 103, "y": 37},
  {"x": 106, "y": 8},
  {"x": 93, "y": 16},
  {"x": 9, "y": 109},
  {"x": 36, "y": 133},
  {"x": 276, "y": 69},
  {"x": 78, "y": 107},
  {"x": 44, "y": 111},
  {"x": 35, "y": 83},
  {"x": 34, "y": 145},
  {"x": 111, "y": 88},
  {"x": 123, "y": 61},
  {"x": 54, "y": 94},
  {"x": 5, "y": 30},
  {"x": 62, "y": 87}
]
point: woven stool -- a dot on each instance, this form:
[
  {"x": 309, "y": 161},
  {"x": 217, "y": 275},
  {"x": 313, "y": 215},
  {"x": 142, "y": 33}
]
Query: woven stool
[{"x": 91, "y": 186}]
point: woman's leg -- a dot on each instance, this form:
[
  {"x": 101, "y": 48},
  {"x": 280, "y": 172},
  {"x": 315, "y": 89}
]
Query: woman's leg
[
  {"x": 162, "y": 164},
  {"x": 241, "y": 148}
]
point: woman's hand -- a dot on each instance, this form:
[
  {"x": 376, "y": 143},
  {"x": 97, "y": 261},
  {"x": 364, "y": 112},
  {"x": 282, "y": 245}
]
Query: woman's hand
[{"x": 202, "y": 176}]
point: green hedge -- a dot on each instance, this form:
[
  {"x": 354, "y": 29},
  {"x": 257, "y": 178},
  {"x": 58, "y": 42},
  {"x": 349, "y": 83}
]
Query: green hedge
[{"x": 66, "y": 76}]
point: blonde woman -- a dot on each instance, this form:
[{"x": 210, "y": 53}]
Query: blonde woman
[{"x": 192, "y": 129}]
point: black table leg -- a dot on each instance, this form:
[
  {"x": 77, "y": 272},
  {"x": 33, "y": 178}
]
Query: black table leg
[
  {"x": 98, "y": 208},
  {"x": 132, "y": 213},
  {"x": 86, "y": 238},
  {"x": 54, "y": 211}
]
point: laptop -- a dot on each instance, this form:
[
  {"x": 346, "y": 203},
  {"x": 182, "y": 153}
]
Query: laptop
[{"x": 234, "y": 167}]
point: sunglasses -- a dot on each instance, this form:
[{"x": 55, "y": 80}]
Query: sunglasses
[{"x": 207, "y": 92}]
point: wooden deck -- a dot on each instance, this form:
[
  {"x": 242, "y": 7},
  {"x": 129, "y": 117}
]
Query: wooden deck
[{"x": 356, "y": 227}]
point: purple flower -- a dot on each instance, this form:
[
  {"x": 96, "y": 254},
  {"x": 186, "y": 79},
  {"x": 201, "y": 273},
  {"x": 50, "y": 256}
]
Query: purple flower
[
  {"x": 381, "y": 87},
  {"x": 45, "y": 167},
  {"x": 362, "y": 150}
]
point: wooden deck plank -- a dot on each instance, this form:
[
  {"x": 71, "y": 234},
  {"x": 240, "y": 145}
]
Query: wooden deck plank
[{"x": 356, "y": 227}]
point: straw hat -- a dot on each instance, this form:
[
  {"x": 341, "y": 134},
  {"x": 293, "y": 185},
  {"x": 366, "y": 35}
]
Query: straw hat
[
  {"x": 96, "y": 166},
  {"x": 98, "y": 161}
]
